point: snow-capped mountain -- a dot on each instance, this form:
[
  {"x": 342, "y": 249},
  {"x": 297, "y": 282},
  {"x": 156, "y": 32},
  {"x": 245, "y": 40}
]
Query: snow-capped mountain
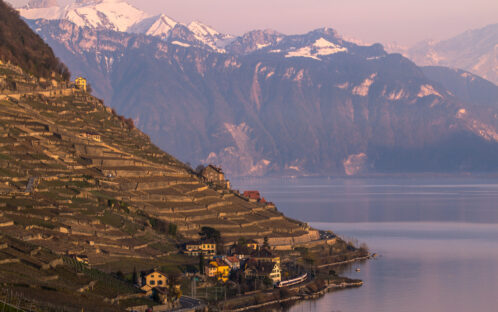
[
  {"x": 100, "y": 14},
  {"x": 118, "y": 15},
  {"x": 160, "y": 25},
  {"x": 217, "y": 41},
  {"x": 474, "y": 50},
  {"x": 265, "y": 102}
]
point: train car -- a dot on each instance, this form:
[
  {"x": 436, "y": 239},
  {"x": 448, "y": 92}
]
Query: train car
[{"x": 293, "y": 281}]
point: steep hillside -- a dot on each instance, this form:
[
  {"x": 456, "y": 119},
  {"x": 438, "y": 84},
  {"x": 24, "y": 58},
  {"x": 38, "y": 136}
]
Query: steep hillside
[
  {"x": 466, "y": 86},
  {"x": 303, "y": 104},
  {"x": 21, "y": 46},
  {"x": 84, "y": 159}
]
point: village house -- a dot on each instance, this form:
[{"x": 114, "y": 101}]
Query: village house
[
  {"x": 240, "y": 251},
  {"x": 218, "y": 268},
  {"x": 265, "y": 255},
  {"x": 81, "y": 84},
  {"x": 259, "y": 269},
  {"x": 215, "y": 175},
  {"x": 233, "y": 262},
  {"x": 253, "y": 196},
  {"x": 251, "y": 243},
  {"x": 153, "y": 278},
  {"x": 206, "y": 248},
  {"x": 210, "y": 270}
]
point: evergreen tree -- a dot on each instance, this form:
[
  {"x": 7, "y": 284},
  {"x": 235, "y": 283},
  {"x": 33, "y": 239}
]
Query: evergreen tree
[{"x": 201, "y": 264}]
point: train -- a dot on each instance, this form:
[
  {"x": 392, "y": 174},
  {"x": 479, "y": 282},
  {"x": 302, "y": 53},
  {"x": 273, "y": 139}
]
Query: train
[{"x": 293, "y": 281}]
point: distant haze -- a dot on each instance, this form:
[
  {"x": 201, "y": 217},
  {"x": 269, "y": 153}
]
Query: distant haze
[{"x": 401, "y": 21}]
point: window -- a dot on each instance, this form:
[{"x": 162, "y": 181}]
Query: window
[
  {"x": 152, "y": 276},
  {"x": 152, "y": 282},
  {"x": 159, "y": 282}
]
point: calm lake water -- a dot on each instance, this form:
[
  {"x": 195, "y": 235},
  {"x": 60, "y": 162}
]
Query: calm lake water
[{"x": 437, "y": 239}]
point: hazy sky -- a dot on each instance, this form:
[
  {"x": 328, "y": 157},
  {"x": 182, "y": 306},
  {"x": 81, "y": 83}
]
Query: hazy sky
[{"x": 402, "y": 21}]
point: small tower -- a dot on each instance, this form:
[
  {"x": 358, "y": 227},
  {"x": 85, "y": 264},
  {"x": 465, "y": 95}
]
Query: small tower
[{"x": 80, "y": 83}]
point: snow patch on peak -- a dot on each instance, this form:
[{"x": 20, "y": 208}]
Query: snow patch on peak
[
  {"x": 109, "y": 14},
  {"x": 303, "y": 52},
  {"x": 323, "y": 43},
  {"x": 325, "y": 47},
  {"x": 209, "y": 36},
  {"x": 160, "y": 25},
  {"x": 201, "y": 29},
  {"x": 320, "y": 47}
]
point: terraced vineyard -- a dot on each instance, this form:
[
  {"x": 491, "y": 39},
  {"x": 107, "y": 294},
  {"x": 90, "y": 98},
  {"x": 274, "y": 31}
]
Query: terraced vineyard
[{"x": 77, "y": 178}]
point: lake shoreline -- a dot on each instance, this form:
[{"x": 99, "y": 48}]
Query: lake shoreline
[{"x": 319, "y": 287}]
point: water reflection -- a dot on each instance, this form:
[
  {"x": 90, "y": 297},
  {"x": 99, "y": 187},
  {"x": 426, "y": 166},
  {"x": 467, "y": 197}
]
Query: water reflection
[
  {"x": 438, "y": 239},
  {"x": 423, "y": 267},
  {"x": 380, "y": 200}
]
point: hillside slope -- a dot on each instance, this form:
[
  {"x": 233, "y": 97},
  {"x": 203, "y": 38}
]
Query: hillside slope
[
  {"x": 21, "y": 46},
  {"x": 83, "y": 156}
]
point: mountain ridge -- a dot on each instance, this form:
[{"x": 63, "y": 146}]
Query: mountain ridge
[
  {"x": 474, "y": 50},
  {"x": 268, "y": 103}
]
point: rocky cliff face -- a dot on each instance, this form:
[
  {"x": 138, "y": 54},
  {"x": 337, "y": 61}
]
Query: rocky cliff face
[{"x": 268, "y": 103}]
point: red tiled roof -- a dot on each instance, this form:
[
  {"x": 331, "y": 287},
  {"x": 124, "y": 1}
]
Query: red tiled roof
[{"x": 252, "y": 195}]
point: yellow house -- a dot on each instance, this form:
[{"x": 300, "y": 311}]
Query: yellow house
[
  {"x": 153, "y": 278},
  {"x": 81, "y": 83},
  {"x": 222, "y": 270},
  {"x": 206, "y": 248},
  {"x": 251, "y": 243}
]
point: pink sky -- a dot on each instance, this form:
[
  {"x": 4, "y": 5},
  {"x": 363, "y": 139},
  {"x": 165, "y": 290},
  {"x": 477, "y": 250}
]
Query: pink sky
[{"x": 402, "y": 21}]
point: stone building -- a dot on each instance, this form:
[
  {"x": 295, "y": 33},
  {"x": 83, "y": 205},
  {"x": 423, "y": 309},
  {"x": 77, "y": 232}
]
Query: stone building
[
  {"x": 80, "y": 83},
  {"x": 215, "y": 175}
]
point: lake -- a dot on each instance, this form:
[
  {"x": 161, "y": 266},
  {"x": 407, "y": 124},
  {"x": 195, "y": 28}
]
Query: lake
[{"x": 437, "y": 238}]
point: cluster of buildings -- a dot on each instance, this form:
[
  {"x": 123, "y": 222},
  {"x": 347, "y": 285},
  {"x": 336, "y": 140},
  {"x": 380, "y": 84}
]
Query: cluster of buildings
[{"x": 248, "y": 257}]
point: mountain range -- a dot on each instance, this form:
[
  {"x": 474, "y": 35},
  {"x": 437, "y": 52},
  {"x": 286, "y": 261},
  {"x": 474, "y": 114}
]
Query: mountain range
[
  {"x": 474, "y": 50},
  {"x": 268, "y": 103}
]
